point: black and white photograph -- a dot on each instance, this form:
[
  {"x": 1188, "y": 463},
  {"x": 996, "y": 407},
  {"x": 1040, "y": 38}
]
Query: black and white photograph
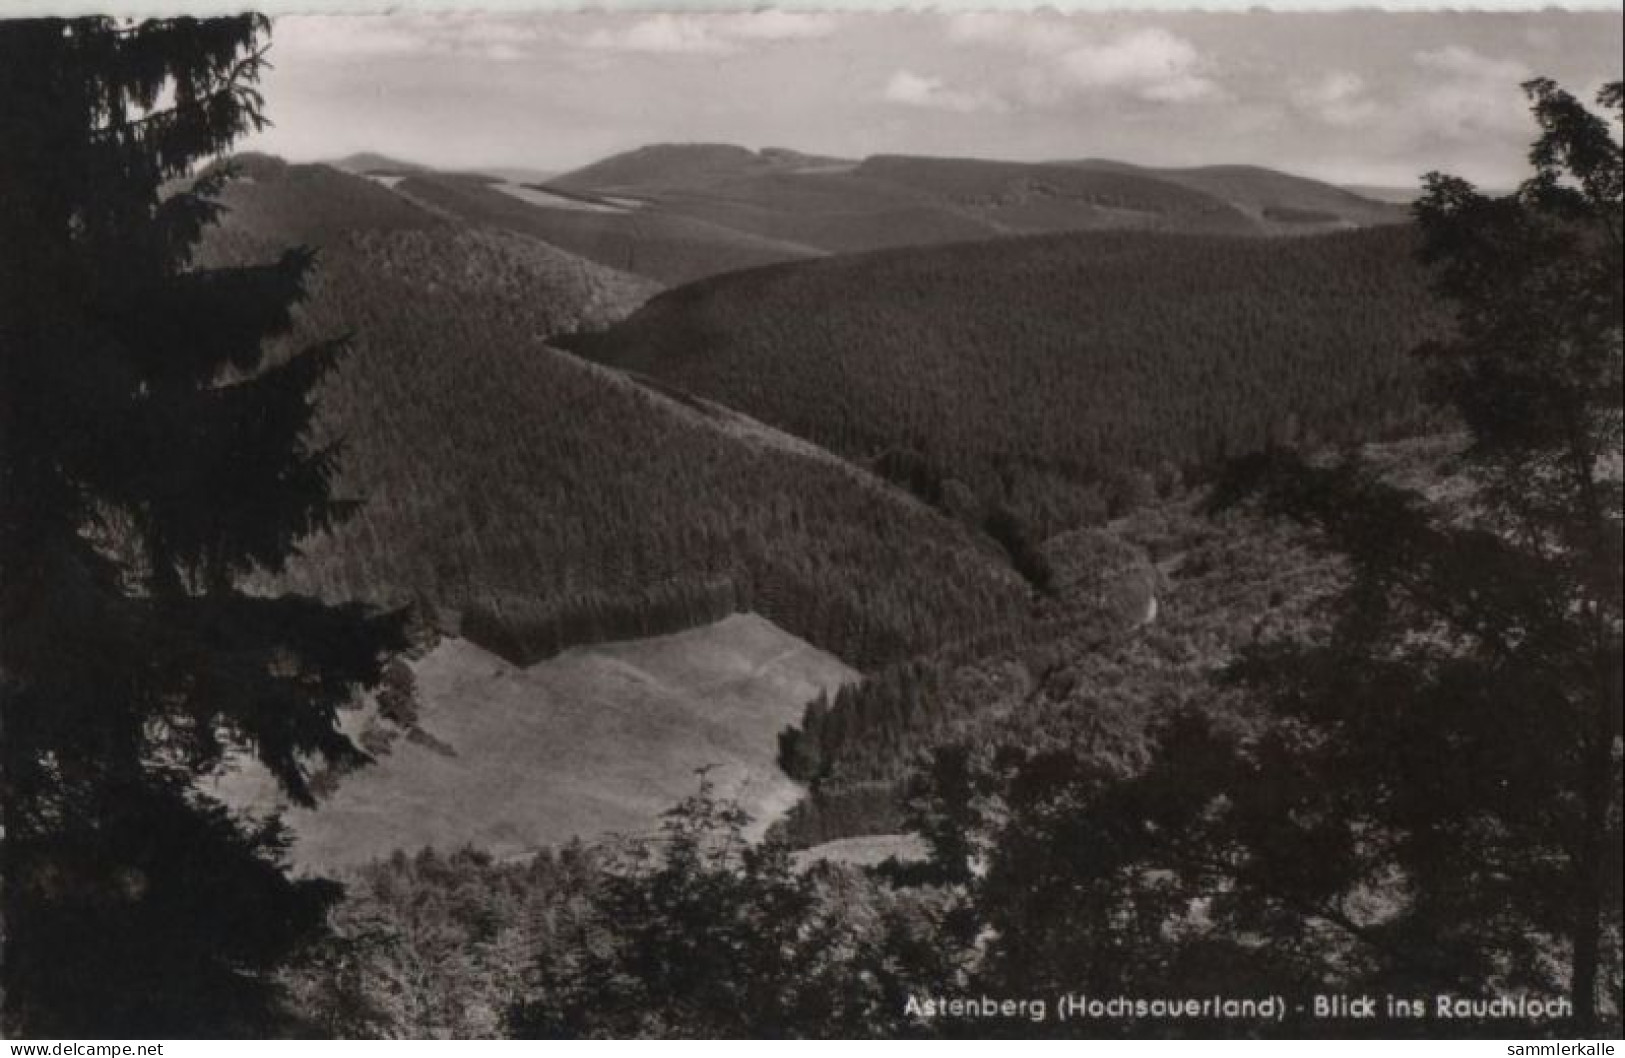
[{"x": 785, "y": 523}]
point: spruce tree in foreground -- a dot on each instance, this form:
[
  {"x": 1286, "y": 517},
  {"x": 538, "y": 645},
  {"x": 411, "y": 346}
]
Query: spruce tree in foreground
[{"x": 150, "y": 456}]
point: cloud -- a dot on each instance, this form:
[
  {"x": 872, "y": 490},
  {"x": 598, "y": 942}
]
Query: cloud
[
  {"x": 717, "y": 34},
  {"x": 1037, "y": 35},
  {"x": 343, "y": 38},
  {"x": 773, "y": 24},
  {"x": 1339, "y": 98},
  {"x": 659, "y": 34},
  {"x": 1470, "y": 95},
  {"x": 1457, "y": 61},
  {"x": 348, "y": 36},
  {"x": 911, "y": 89},
  {"x": 1151, "y": 64},
  {"x": 506, "y": 38}
]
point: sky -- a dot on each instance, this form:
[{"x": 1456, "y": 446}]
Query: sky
[{"x": 1356, "y": 97}]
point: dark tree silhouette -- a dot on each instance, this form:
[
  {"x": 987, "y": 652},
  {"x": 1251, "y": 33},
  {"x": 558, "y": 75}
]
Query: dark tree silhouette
[
  {"x": 1535, "y": 373},
  {"x": 153, "y": 454},
  {"x": 697, "y": 933},
  {"x": 1422, "y": 797},
  {"x": 1471, "y": 689}
]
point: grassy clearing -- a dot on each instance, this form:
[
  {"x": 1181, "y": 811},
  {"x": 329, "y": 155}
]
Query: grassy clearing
[{"x": 598, "y": 740}]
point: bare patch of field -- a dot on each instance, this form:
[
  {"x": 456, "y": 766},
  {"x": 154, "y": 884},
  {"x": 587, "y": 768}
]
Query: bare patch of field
[
  {"x": 548, "y": 200},
  {"x": 868, "y": 850},
  {"x": 598, "y": 740}
]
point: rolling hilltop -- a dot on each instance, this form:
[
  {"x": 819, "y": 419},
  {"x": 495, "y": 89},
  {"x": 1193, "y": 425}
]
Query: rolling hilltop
[
  {"x": 1275, "y": 201},
  {"x": 668, "y": 247},
  {"x": 898, "y": 200},
  {"x": 675, "y": 165},
  {"x": 369, "y": 162},
  {"x": 678, "y": 212},
  {"x": 560, "y": 501},
  {"x": 1019, "y": 198}
]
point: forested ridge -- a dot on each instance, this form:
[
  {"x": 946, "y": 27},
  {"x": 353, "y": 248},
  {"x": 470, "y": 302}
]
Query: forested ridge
[
  {"x": 666, "y": 247},
  {"x": 1050, "y": 374},
  {"x": 1275, "y": 200},
  {"x": 905, "y": 200},
  {"x": 495, "y": 469},
  {"x": 1042, "y": 197}
]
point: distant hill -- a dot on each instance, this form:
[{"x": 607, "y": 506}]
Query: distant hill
[
  {"x": 1398, "y": 196},
  {"x": 1021, "y": 197},
  {"x": 494, "y": 465},
  {"x": 1406, "y": 194},
  {"x": 516, "y": 174},
  {"x": 1055, "y": 376},
  {"x": 273, "y": 205},
  {"x": 679, "y": 212},
  {"x": 371, "y": 162},
  {"x": 1278, "y": 202},
  {"x": 891, "y": 201},
  {"x": 599, "y": 740},
  {"x": 888, "y": 201},
  {"x": 664, "y": 246},
  {"x": 671, "y": 165}
]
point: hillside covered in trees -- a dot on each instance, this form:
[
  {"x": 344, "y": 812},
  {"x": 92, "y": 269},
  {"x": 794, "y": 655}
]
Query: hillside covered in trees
[
  {"x": 1277, "y": 202},
  {"x": 535, "y": 501},
  {"x": 1142, "y": 616},
  {"x": 499, "y": 474},
  {"x": 1054, "y": 376}
]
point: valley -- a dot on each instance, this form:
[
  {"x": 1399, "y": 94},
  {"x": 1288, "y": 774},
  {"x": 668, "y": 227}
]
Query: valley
[
  {"x": 878, "y": 438},
  {"x": 1113, "y": 532}
]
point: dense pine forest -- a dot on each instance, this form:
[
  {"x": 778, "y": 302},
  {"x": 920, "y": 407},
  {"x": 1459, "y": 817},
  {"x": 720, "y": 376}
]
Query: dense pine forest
[
  {"x": 1278, "y": 202},
  {"x": 1037, "y": 198},
  {"x": 1055, "y": 376},
  {"x": 1144, "y": 614},
  {"x": 494, "y": 467}
]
